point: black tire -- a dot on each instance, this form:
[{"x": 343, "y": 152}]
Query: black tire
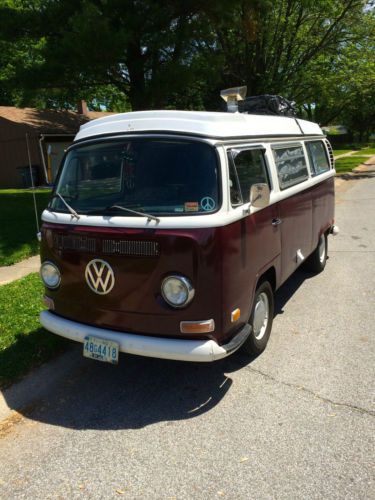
[
  {"x": 260, "y": 333},
  {"x": 317, "y": 260}
]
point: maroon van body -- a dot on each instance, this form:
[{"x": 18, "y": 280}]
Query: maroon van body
[{"x": 226, "y": 264}]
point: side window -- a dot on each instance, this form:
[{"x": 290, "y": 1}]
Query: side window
[
  {"x": 291, "y": 165},
  {"x": 318, "y": 157},
  {"x": 250, "y": 168}
]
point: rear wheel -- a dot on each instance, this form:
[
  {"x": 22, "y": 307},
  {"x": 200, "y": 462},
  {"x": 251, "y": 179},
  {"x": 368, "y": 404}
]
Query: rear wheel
[
  {"x": 317, "y": 260},
  {"x": 260, "y": 319}
]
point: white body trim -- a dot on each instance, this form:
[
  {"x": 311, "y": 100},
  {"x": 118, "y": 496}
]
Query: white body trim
[
  {"x": 142, "y": 345},
  {"x": 208, "y": 124},
  {"x": 226, "y": 215},
  {"x": 229, "y": 124}
]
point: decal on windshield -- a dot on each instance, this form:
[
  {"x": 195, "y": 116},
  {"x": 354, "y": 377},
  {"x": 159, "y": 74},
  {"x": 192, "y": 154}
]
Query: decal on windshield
[
  {"x": 208, "y": 204},
  {"x": 191, "y": 206}
]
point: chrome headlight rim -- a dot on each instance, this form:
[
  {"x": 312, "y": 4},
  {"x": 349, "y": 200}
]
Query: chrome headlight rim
[
  {"x": 190, "y": 291},
  {"x": 52, "y": 264}
]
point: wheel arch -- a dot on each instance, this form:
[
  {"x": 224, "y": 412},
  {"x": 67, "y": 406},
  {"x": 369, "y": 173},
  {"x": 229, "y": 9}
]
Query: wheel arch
[{"x": 268, "y": 275}]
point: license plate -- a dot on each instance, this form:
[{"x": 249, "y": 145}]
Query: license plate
[{"x": 101, "y": 350}]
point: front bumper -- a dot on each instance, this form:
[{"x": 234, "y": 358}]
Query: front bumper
[{"x": 143, "y": 345}]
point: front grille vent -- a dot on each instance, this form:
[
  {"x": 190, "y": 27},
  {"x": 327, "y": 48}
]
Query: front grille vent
[
  {"x": 124, "y": 247},
  {"x": 80, "y": 243},
  {"x": 330, "y": 152}
]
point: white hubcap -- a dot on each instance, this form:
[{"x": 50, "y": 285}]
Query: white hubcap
[{"x": 260, "y": 319}]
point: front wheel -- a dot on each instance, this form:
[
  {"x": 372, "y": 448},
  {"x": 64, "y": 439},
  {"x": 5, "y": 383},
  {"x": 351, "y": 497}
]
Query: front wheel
[
  {"x": 317, "y": 260},
  {"x": 260, "y": 319}
]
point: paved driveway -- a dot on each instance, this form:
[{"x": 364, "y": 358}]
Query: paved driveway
[{"x": 297, "y": 422}]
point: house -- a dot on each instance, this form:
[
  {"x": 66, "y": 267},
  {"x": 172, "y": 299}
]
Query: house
[{"x": 44, "y": 134}]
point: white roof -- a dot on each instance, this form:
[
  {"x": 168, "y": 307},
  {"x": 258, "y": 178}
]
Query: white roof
[{"x": 208, "y": 124}]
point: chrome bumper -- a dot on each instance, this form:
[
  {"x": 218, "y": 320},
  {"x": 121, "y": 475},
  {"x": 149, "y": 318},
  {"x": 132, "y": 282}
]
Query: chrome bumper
[{"x": 142, "y": 345}]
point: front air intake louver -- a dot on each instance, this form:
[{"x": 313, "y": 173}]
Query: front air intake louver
[
  {"x": 330, "y": 152},
  {"x": 114, "y": 247},
  {"x": 128, "y": 247},
  {"x": 79, "y": 243}
]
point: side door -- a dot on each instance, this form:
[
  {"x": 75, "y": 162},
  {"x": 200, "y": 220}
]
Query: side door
[
  {"x": 261, "y": 236},
  {"x": 295, "y": 206}
]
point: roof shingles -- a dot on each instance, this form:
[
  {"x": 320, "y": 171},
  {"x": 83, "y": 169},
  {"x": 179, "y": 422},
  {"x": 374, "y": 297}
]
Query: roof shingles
[{"x": 46, "y": 121}]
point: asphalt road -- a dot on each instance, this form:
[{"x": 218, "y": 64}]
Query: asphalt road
[{"x": 297, "y": 422}]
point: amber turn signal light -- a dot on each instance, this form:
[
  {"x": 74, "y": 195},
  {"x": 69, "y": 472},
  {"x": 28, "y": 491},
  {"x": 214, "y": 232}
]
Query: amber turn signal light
[
  {"x": 235, "y": 315},
  {"x": 197, "y": 326}
]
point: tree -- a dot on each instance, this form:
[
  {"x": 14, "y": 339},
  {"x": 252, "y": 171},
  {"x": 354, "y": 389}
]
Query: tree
[
  {"x": 181, "y": 53},
  {"x": 141, "y": 48},
  {"x": 343, "y": 85},
  {"x": 272, "y": 48}
]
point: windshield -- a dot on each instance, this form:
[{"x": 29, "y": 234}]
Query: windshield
[{"x": 167, "y": 177}]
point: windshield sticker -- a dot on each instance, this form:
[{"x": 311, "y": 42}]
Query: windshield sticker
[
  {"x": 208, "y": 204},
  {"x": 179, "y": 209},
  {"x": 191, "y": 206}
]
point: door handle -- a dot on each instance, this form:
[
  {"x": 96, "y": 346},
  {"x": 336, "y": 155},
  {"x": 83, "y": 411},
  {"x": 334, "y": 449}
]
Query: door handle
[{"x": 276, "y": 222}]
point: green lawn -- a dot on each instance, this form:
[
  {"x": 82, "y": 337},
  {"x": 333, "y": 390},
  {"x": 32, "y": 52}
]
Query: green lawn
[
  {"x": 17, "y": 222},
  {"x": 337, "y": 152},
  {"x": 347, "y": 163},
  {"x": 365, "y": 151},
  {"x": 23, "y": 342}
]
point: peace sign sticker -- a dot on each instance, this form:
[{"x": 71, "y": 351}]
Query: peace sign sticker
[{"x": 208, "y": 204}]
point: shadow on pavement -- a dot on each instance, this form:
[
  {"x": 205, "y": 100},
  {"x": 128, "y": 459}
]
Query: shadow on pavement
[
  {"x": 289, "y": 288},
  {"x": 136, "y": 393},
  {"x": 139, "y": 391}
]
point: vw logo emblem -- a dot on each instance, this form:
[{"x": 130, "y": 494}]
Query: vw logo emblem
[
  {"x": 99, "y": 276},
  {"x": 207, "y": 203}
]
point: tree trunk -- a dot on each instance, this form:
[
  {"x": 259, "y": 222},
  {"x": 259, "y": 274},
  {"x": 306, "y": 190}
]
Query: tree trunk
[{"x": 137, "y": 89}]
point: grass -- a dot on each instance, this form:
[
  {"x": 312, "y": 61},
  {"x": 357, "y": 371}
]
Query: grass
[
  {"x": 337, "y": 152},
  {"x": 17, "y": 222},
  {"x": 360, "y": 149},
  {"x": 347, "y": 163},
  {"x": 365, "y": 151},
  {"x": 24, "y": 344}
]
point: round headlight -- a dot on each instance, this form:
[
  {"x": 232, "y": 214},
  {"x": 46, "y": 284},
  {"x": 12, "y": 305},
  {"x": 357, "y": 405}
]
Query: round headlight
[
  {"x": 50, "y": 275},
  {"x": 177, "y": 291}
]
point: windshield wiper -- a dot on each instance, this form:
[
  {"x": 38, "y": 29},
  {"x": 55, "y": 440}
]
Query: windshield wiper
[
  {"x": 125, "y": 209},
  {"x": 71, "y": 210}
]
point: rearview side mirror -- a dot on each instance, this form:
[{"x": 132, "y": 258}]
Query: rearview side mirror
[{"x": 259, "y": 195}]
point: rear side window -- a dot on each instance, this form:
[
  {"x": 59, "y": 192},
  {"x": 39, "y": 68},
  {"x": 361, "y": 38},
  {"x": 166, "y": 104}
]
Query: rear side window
[
  {"x": 318, "y": 157},
  {"x": 291, "y": 166},
  {"x": 246, "y": 167}
]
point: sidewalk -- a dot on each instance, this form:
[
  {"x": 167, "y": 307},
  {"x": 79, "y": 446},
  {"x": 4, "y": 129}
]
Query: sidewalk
[
  {"x": 368, "y": 166},
  {"x": 19, "y": 270},
  {"x": 366, "y": 169}
]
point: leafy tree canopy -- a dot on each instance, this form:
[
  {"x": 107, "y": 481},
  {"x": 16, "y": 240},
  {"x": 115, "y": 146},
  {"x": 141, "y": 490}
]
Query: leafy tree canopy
[{"x": 143, "y": 54}]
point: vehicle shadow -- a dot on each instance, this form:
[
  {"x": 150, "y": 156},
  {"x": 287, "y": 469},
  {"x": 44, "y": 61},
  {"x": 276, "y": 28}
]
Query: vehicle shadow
[
  {"x": 139, "y": 391},
  {"x": 289, "y": 288},
  {"x": 136, "y": 393}
]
